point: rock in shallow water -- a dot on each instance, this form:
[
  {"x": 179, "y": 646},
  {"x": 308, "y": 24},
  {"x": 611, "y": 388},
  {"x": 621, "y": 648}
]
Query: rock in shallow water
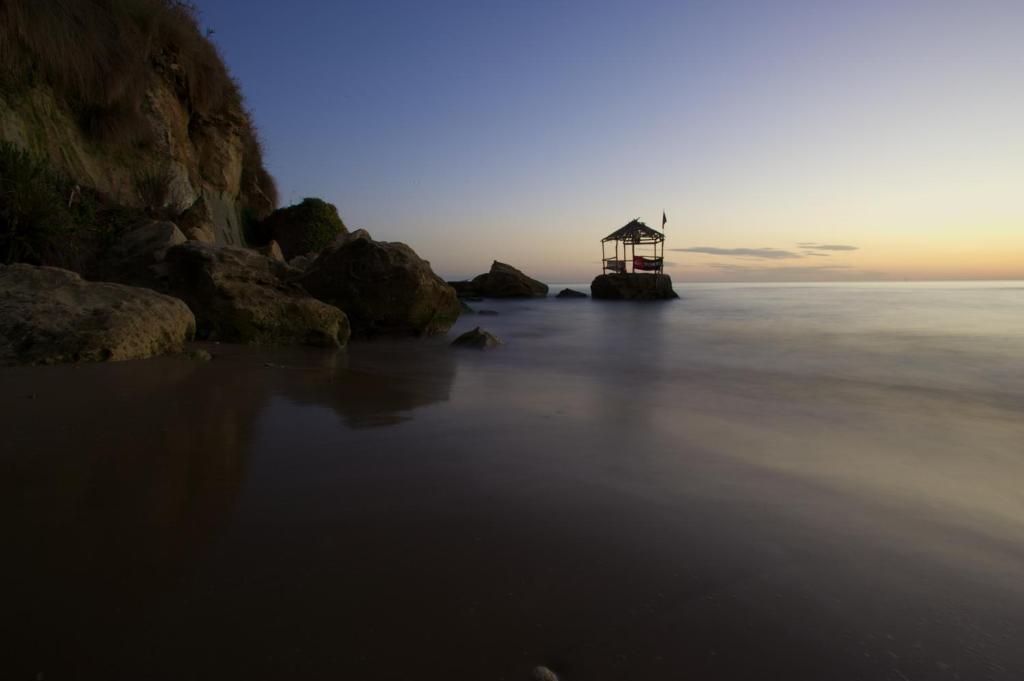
[
  {"x": 241, "y": 296},
  {"x": 633, "y": 287},
  {"x": 383, "y": 287},
  {"x": 505, "y": 281},
  {"x": 49, "y": 315},
  {"x": 571, "y": 293},
  {"x": 477, "y": 339}
]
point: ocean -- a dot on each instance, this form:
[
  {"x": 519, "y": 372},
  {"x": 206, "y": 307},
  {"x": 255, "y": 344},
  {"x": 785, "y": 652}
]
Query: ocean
[{"x": 801, "y": 481}]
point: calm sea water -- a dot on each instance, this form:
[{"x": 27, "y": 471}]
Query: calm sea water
[{"x": 755, "y": 481}]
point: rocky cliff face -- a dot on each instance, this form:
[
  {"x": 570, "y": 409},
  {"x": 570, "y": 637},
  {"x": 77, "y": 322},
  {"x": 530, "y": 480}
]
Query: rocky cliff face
[{"x": 130, "y": 99}]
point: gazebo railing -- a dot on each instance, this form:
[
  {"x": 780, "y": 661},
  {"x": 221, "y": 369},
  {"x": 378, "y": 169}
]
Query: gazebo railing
[
  {"x": 614, "y": 265},
  {"x": 645, "y": 263}
]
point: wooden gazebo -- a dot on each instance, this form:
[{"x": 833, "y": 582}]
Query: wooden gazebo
[{"x": 632, "y": 235}]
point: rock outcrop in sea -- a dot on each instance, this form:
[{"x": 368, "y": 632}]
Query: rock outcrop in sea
[
  {"x": 633, "y": 286},
  {"x": 502, "y": 281},
  {"x": 49, "y": 315}
]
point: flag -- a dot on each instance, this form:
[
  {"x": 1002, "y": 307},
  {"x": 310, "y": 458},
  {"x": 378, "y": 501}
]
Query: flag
[{"x": 664, "y": 220}]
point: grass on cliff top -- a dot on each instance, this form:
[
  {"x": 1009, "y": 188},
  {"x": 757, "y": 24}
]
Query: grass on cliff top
[{"x": 101, "y": 56}]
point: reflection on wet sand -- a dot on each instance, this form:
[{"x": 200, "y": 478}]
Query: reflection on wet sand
[
  {"x": 114, "y": 476},
  {"x": 381, "y": 386},
  {"x": 619, "y": 492}
]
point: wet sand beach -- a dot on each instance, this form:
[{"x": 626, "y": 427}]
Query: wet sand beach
[{"x": 804, "y": 482}]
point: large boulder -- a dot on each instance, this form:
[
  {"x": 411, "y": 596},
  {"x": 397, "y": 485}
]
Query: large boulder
[
  {"x": 241, "y": 296},
  {"x": 384, "y": 287},
  {"x": 50, "y": 315},
  {"x": 633, "y": 286},
  {"x": 304, "y": 227},
  {"x": 505, "y": 281},
  {"x": 137, "y": 256}
]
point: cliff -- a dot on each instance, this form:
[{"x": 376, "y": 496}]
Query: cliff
[{"x": 129, "y": 98}]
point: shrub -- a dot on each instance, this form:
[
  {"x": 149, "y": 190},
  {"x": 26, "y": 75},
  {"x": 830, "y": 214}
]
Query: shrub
[
  {"x": 304, "y": 227},
  {"x": 155, "y": 187},
  {"x": 35, "y": 216},
  {"x": 46, "y": 219}
]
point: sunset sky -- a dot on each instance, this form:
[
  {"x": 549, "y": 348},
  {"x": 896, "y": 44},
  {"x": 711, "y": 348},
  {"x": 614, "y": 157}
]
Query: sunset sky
[{"x": 786, "y": 141}]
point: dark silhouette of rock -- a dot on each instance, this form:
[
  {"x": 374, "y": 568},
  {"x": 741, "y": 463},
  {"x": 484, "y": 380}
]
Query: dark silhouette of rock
[
  {"x": 239, "y": 295},
  {"x": 49, "y": 315},
  {"x": 302, "y": 262},
  {"x": 477, "y": 339},
  {"x": 384, "y": 287},
  {"x": 137, "y": 255},
  {"x": 505, "y": 281},
  {"x": 464, "y": 289},
  {"x": 633, "y": 287},
  {"x": 570, "y": 293},
  {"x": 357, "y": 234}
]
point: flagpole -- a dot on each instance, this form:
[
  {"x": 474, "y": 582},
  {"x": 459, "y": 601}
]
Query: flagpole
[{"x": 664, "y": 232}]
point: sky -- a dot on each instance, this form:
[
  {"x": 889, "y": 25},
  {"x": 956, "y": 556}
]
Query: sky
[{"x": 784, "y": 140}]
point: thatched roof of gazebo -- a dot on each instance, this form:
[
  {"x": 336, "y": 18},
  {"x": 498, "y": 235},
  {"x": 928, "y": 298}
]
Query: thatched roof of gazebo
[{"x": 636, "y": 232}]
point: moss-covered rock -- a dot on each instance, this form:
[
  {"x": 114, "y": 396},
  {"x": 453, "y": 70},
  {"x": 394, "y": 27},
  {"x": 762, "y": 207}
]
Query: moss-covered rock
[
  {"x": 49, "y": 315},
  {"x": 304, "y": 227},
  {"x": 241, "y": 296},
  {"x": 384, "y": 287}
]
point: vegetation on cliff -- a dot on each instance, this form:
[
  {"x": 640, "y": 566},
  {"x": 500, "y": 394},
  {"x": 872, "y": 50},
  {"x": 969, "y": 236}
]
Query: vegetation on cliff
[
  {"x": 146, "y": 93},
  {"x": 303, "y": 228},
  {"x": 40, "y": 214}
]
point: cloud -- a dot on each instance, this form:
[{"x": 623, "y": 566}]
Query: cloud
[
  {"x": 796, "y": 269},
  {"x": 827, "y": 247},
  {"x": 765, "y": 253},
  {"x": 820, "y": 255},
  {"x": 796, "y": 273}
]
